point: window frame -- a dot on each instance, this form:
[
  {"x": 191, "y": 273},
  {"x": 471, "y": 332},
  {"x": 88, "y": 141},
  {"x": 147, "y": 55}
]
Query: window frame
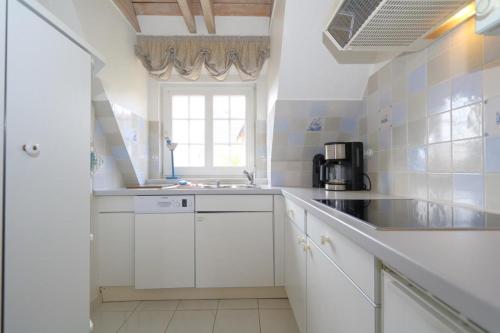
[{"x": 208, "y": 90}]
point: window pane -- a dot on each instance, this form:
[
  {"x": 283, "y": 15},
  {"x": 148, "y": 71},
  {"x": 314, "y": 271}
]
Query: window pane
[
  {"x": 221, "y": 155},
  {"x": 180, "y": 106},
  {"x": 196, "y": 155},
  {"x": 238, "y": 107},
  {"x": 237, "y": 131},
  {"x": 180, "y": 131},
  {"x": 237, "y": 155},
  {"x": 221, "y": 107},
  {"x": 221, "y": 131},
  {"x": 181, "y": 155},
  {"x": 197, "y": 107},
  {"x": 197, "y": 131}
]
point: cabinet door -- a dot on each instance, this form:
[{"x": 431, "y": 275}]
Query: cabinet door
[
  {"x": 295, "y": 272},
  {"x": 115, "y": 244},
  {"x": 404, "y": 310},
  {"x": 334, "y": 304},
  {"x": 234, "y": 250},
  {"x": 164, "y": 251},
  {"x": 47, "y": 196}
]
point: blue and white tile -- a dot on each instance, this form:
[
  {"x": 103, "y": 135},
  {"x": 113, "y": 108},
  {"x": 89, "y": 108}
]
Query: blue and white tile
[
  {"x": 492, "y": 116},
  {"x": 417, "y": 159},
  {"x": 399, "y": 114},
  {"x": 440, "y": 187},
  {"x": 467, "y": 90},
  {"x": 468, "y": 189},
  {"x": 467, "y": 122},
  {"x": 492, "y": 154},
  {"x": 468, "y": 155},
  {"x": 417, "y": 80},
  {"x": 439, "y": 157},
  {"x": 440, "y": 127},
  {"x": 439, "y": 98},
  {"x": 417, "y": 132}
]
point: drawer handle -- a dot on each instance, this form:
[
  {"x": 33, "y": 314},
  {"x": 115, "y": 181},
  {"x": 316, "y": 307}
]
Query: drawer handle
[
  {"x": 301, "y": 240},
  {"x": 325, "y": 239},
  {"x": 291, "y": 214},
  {"x": 306, "y": 247}
]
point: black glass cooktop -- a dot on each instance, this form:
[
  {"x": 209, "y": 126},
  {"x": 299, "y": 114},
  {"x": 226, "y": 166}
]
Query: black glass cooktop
[{"x": 398, "y": 214}]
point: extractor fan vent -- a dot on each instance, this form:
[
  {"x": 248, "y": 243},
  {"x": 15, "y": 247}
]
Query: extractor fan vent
[{"x": 387, "y": 24}]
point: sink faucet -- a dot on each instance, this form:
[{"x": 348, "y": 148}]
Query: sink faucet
[{"x": 250, "y": 176}]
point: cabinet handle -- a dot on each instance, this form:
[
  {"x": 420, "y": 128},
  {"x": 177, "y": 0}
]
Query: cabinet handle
[
  {"x": 301, "y": 240},
  {"x": 325, "y": 239},
  {"x": 306, "y": 247},
  {"x": 291, "y": 214}
]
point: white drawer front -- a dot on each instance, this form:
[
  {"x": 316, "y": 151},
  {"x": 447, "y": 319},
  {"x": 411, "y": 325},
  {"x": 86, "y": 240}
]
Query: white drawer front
[
  {"x": 115, "y": 204},
  {"x": 357, "y": 263},
  {"x": 296, "y": 214},
  {"x": 234, "y": 203}
]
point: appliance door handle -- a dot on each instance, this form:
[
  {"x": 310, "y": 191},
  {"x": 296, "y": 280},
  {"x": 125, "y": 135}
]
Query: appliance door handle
[{"x": 322, "y": 172}]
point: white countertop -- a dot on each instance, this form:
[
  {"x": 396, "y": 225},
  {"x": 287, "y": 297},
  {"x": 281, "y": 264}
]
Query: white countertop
[{"x": 462, "y": 268}]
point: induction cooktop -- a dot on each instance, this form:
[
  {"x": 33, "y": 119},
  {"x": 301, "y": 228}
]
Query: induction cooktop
[{"x": 409, "y": 214}]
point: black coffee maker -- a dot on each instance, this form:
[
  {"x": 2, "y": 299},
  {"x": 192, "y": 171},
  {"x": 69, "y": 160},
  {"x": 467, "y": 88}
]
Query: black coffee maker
[{"x": 341, "y": 168}]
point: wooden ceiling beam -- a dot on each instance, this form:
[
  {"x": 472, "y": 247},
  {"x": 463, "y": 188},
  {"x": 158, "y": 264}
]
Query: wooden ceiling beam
[
  {"x": 127, "y": 9},
  {"x": 187, "y": 14},
  {"x": 219, "y": 9},
  {"x": 208, "y": 13}
]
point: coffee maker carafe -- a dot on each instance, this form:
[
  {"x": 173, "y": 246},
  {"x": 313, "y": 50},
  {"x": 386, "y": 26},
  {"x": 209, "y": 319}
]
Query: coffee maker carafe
[{"x": 341, "y": 168}]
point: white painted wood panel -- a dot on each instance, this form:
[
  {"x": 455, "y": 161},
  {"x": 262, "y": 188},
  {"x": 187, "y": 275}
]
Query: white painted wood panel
[
  {"x": 279, "y": 240},
  {"x": 47, "y": 202},
  {"x": 3, "y": 25},
  {"x": 115, "y": 204},
  {"x": 234, "y": 250},
  {"x": 404, "y": 310},
  {"x": 296, "y": 214},
  {"x": 234, "y": 203},
  {"x": 295, "y": 273},
  {"x": 115, "y": 249},
  {"x": 164, "y": 251},
  {"x": 334, "y": 304},
  {"x": 360, "y": 265}
]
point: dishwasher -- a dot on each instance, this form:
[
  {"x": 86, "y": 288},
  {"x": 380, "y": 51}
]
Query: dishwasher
[{"x": 164, "y": 242}]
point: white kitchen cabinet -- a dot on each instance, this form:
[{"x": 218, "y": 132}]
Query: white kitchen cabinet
[
  {"x": 164, "y": 251},
  {"x": 295, "y": 272},
  {"x": 115, "y": 248},
  {"x": 406, "y": 309},
  {"x": 234, "y": 249},
  {"x": 334, "y": 303},
  {"x": 46, "y": 184}
]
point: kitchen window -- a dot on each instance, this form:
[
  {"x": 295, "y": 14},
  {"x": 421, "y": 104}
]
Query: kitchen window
[{"x": 213, "y": 127}]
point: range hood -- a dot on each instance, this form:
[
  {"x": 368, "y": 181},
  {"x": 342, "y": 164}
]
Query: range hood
[{"x": 388, "y": 25}]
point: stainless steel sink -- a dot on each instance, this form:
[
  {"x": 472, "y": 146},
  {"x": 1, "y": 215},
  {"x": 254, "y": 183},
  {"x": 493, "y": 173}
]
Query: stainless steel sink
[{"x": 228, "y": 186}]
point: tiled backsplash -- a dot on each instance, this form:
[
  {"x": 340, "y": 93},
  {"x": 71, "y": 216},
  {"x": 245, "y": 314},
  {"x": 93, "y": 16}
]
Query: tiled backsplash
[
  {"x": 300, "y": 130},
  {"x": 432, "y": 122}
]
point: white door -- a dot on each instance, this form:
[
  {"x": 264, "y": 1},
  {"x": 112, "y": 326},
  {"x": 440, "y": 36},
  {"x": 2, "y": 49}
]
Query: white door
[
  {"x": 295, "y": 272},
  {"x": 47, "y": 200},
  {"x": 334, "y": 304},
  {"x": 234, "y": 250},
  {"x": 164, "y": 250},
  {"x": 115, "y": 249},
  {"x": 404, "y": 310}
]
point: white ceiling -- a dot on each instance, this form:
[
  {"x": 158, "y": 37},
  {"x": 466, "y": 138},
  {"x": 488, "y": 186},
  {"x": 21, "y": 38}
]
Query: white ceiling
[{"x": 225, "y": 25}]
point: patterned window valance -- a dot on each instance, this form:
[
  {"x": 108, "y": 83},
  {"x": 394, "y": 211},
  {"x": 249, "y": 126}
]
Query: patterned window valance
[{"x": 188, "y": 55}]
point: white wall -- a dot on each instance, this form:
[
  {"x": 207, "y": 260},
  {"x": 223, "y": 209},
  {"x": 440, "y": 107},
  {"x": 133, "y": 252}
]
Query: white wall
[
  {"x": 225, "y": 25},
  {"x": 276, "y": 35},
  {"x": 3, "y": 23},
  {"x": 307, "y": 69}
]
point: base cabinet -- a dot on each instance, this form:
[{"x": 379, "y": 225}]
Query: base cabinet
[
  {"x": 334, "y": 304},
  {"x": 406, "y": 309},
  {"x": 295, "y": 273},
  {"x": 164, "y": 251},
  {"x": 234, "y": 250}
]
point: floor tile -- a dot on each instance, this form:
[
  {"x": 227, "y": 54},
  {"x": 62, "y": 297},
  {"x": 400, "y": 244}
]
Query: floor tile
[
  {"x": 194, "y": 304},
  {"x": 238, "y": 304},
  {"x": 192, "y": 322},
  {"x": 279, "y": 303},
  {"x": 157, "y": 305},
  {"x": 118, "y": 307},
  {"x": 147, "y": 322},
  {"x": 240, "y": 321},
  {"x": 107, "y": 322},
  {"x": 277, "y": 321}
]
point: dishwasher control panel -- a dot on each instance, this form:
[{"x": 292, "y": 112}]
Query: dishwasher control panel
[{"x": 164, "y": 204}]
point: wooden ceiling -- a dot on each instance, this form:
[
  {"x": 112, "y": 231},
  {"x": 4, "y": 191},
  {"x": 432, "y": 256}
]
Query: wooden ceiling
[{"x": 190, "y": 8}]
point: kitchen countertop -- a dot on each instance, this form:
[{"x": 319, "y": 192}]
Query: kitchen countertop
[{"x": 460, "y": 267}]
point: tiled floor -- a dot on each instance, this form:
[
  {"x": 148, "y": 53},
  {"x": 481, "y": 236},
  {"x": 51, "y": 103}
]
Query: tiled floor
[{"x": 196, "y": 316}]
